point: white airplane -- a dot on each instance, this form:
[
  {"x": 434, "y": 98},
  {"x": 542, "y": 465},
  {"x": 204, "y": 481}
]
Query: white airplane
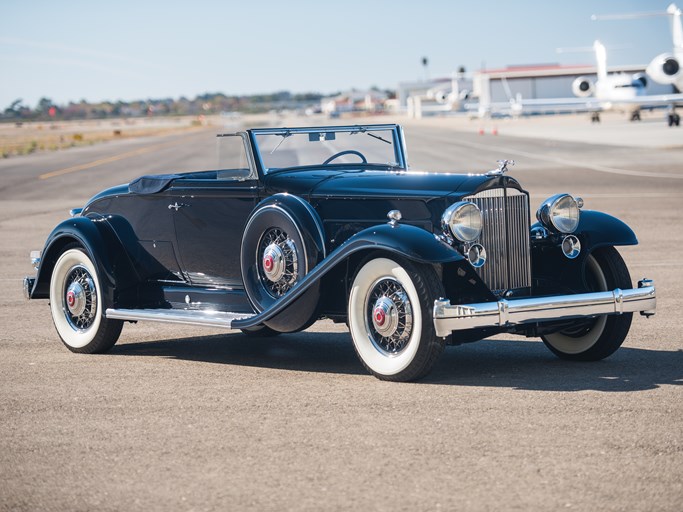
[
  {"x": 616, "y": 91},
  {"x": 665, "y": 68},
  {"x": 441, "y": 99},
  {"x": 609, "y": 92}
]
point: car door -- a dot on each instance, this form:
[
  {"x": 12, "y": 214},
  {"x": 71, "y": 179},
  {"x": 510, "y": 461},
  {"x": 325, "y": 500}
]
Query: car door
[{"x": 210, "y": 212}]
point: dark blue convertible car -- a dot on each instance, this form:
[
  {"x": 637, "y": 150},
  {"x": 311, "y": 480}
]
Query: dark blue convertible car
[{"x": 300, "y": 224}]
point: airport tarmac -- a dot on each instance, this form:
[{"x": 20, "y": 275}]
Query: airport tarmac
[{"x": 182, "y": 418}]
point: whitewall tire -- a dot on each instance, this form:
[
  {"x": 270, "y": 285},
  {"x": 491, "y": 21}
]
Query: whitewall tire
[
  {"x": 76, "y": 305},
  {"x": 390, "y": 318},
  {"x": 598, "y": 338}
]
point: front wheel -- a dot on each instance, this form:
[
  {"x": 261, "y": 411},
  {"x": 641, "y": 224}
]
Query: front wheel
[
  {"x": 595, "y": 339},
  {"x": 76, "y": 305},
  {"x": 390, "y": 318}
]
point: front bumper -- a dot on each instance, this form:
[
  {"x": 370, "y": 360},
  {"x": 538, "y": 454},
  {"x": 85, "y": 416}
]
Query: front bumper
[
  {"x": 449, "y": 317},
  {"x": 29, "y": 282}
]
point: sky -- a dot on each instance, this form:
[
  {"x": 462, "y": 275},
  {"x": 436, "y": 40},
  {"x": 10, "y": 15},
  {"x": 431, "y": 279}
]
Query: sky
[{"x": 129, "y": 50}]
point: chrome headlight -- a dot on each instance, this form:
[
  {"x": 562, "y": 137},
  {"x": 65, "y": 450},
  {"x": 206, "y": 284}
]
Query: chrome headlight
[
  {"x": 463, "y": 220},
  {"x": 559, "y": 213}
]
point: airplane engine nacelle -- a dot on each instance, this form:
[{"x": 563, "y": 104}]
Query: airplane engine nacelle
[
  {"x": 442, "y": 97},
  {"x": 665, "y": 69},
  {"x": 639, "y": 81},
  {"x": 583, "y": 87}
]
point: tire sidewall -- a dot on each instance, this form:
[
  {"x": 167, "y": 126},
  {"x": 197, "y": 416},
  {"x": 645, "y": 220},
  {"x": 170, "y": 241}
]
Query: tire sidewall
[
  {"x": 577, "y": 345},
  {"x": 74, "y": 339},
  {"x": 608, "y": 331},
  {"x": 378, "y": 362}
]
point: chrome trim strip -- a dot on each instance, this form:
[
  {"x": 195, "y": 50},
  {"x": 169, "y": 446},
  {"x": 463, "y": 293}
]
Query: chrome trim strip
[
  {"x": 178, "y": 316},
  {"x": 449, "y": 317}
]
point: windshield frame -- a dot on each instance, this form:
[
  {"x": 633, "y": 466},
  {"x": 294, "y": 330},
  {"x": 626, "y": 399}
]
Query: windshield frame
[{"x": 398, "y": 143}]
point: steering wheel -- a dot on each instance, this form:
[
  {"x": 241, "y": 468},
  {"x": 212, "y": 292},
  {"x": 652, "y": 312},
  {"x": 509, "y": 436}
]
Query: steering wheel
[{"x": 347, "y": 152}]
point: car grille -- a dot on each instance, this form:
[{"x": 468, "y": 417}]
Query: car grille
[{"x": 505, "y": 236}]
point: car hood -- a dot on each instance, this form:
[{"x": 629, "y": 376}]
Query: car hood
[{"x": 378, "y": 183}]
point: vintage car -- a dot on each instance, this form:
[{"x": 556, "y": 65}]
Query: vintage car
[{"x": 302, "y": 224}]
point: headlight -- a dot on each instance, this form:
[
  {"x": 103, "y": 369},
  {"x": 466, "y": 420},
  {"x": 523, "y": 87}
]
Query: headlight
[
  {"x": 559, "y": 213},
  {"x": 463, "y": 220}
]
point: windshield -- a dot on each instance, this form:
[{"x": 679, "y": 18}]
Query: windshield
[{"x": 328, "y": 146}]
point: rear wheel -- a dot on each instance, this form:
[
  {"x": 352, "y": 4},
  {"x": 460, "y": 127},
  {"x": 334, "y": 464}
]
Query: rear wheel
[
  {"x": 390, "y": 318},
  {"x": 76, "y": 305},
  {"x": 595, "y": 339}
]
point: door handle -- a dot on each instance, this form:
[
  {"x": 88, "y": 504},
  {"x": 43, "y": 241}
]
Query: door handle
[{"x": 176, "y": 206}]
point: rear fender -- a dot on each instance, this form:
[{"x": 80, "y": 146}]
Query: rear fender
[
  {"x": 102, "y": 246},
  {"x": 403, "y": 240}
]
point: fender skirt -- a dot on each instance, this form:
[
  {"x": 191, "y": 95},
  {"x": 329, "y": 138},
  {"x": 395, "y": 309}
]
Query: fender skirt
[{"x": 402, "y": 239}]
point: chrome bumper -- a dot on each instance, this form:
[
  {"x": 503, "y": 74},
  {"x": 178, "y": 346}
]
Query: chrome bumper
[
  {"x": 449, "y": 317},
  {"x": 28, "y": 286}
]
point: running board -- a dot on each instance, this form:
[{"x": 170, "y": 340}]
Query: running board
[{"x": 178, "y": 316}]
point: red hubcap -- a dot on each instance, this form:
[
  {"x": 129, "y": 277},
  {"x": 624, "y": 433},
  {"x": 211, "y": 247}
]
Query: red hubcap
[
  {"x": 71, "y": 298},
  {"x": 380, "y": 316},
  {"x": 268, "y": 263}
]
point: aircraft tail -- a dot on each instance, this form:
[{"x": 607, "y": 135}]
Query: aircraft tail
[
  {"x": 600, "y": 59},
  {"x": 676, "y": 27}
]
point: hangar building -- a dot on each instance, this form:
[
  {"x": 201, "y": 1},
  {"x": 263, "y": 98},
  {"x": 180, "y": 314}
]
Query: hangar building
[{"x": 543, "y": 81}]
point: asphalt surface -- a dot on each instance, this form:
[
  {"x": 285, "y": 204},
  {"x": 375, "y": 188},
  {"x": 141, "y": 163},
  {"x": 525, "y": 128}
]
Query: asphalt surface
[{"x": 180, "y": 418}]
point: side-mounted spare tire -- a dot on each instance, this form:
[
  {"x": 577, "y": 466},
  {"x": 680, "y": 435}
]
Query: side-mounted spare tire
[{"x": 283, "y": 240}]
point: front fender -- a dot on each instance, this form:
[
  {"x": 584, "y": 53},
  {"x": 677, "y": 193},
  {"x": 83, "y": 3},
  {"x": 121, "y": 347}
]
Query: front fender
[
  {"x": 405, "y": 240},
  {"x": 103, "y": 248},
  {"x": 402, "y": 239},
  {"x": 598, "y": 229},
  {"x": 555, "y": 273}
]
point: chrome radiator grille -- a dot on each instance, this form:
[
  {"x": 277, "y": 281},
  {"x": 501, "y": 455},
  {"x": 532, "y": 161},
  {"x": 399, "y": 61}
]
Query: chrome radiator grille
[{"x": 505, "y": 236}]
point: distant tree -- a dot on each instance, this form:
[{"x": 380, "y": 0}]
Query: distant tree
[
  {"x": 15, "y": 108},
  {"x": 44, "y": 104}
]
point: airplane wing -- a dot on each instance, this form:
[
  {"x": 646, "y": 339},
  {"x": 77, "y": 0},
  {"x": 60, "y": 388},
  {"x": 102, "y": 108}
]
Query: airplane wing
[
  {"x": 655, "y": 100},
  {"x": 521, "y": 107}
]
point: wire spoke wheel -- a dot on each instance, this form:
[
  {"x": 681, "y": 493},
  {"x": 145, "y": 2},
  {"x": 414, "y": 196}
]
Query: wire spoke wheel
[
  {"x": 80, "y": 298},
  {"x": 389, "y": 316},
  {"x": 279, "y": 265}
]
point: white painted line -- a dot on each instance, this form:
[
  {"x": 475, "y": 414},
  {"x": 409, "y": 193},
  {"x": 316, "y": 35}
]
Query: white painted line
[{"x": 570, "y": 163}]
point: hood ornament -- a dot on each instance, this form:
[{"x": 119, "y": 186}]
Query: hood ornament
[{"x": 502, "y": 168}]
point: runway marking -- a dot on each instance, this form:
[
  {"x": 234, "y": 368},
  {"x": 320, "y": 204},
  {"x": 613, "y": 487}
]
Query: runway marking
[
  {"x": 572, "y": 163},
  {"x": 110, "y": 159}
]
